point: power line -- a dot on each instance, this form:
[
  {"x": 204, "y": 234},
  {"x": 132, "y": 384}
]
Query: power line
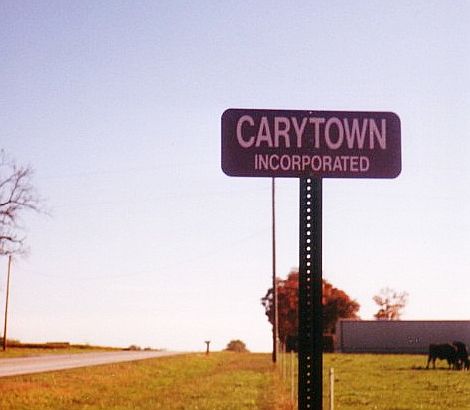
[{"x": 152, "y": 271}]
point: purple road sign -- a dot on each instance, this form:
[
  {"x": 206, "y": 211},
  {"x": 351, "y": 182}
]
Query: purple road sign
[{"x": 320, "y": 144}]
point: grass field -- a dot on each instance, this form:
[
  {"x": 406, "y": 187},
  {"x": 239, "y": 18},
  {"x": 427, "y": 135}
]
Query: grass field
[
  {"x": 238, "y": 381},
  {"x": 396, "y": 382},
  {"x": 218, "y": 381}
]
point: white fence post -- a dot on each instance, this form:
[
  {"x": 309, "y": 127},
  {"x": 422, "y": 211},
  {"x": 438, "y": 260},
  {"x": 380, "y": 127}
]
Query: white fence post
[{"x": 332, "y": 388}]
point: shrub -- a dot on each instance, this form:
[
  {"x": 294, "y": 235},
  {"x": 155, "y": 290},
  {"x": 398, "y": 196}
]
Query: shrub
[{"x": 237, "y": 346}]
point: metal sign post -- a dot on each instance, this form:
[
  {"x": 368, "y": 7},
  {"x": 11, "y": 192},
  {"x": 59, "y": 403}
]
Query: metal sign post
[
  {"x": 310, "y": 331},
  {"x": 275, "y": 301}
]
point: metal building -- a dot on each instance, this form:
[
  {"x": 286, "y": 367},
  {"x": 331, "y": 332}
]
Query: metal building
[{"x": 398, "y": 336}]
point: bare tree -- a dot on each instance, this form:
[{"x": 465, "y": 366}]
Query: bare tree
[
  {"x": 17, "y": 196},
  {"x": 391, "y": 304}
]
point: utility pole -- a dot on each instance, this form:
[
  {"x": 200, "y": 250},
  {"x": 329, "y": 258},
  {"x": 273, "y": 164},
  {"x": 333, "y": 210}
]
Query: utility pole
[
  {"x": 6, "y": 305},
  {"x": 275, "y": 307}
]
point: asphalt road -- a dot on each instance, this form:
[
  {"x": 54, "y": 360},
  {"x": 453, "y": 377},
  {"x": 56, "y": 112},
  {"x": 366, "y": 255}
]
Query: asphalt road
[{"x": 39, "y": 364}]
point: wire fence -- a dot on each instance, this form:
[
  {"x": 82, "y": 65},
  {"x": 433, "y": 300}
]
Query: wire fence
[{"x": 288, "y": 370}]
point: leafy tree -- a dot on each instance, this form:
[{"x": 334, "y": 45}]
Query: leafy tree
[
  {"x": 17, "y": 195},
  {"x": 336, "y": 304},
  {"x": 391, "y": 304},
  {"x": 237, "y": 346},
  {"x": 287, "y": 306}
]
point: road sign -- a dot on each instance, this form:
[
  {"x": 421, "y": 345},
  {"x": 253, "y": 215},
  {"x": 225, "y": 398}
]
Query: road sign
[
  {"x": 310, "y": 145},
  {"x": 318, "y": 144}
]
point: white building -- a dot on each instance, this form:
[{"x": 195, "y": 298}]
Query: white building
[{"x": 398, "y": 336}]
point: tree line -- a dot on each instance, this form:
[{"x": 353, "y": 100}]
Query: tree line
[{"x": 337, "y": 304}]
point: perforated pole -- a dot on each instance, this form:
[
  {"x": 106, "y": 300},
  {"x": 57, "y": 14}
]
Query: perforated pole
[
  {"x": 310, "y": 295},
  {"x": 275, "y": 302}
]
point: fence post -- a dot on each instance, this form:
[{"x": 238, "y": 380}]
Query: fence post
[
  {"x": 292, "y": 379},
  {"x": 332, "y": 388}
]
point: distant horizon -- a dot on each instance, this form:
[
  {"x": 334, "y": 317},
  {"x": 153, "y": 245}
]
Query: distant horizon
[{"x": 203, "y": 346}]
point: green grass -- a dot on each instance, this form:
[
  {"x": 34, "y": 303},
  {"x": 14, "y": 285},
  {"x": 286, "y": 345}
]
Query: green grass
[
  {"x": 228, "y": 381},
  {"x": 219, "y": 381},
  {"x": 393, "y": 382},
  {"x": 396, "y": 382}
]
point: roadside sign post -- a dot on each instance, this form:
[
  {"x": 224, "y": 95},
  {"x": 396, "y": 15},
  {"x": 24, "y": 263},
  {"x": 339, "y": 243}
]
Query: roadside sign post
[
  {"x": 310, "y": 145},
  {"x": 310, "y": 332},
  {"x": 207, "y": 342}
]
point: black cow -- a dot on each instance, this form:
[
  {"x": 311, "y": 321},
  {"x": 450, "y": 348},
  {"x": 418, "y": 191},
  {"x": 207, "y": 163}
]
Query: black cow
[
  {"x": 462, "y": 355},
  {"x": 443, "y": 351}
]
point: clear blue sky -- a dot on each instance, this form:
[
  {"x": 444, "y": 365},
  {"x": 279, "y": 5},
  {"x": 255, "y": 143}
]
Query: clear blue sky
[{"x": 117, "y": 105}]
